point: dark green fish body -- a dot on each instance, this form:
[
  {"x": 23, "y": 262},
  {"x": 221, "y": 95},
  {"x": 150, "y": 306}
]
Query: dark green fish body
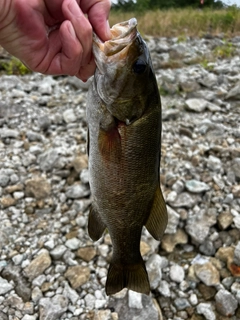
[{"x": 124, "y": 118}]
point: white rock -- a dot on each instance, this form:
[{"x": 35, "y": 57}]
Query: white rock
[
  {"x": 176, "y": 273},
  {"x": 134, "y": 300}
]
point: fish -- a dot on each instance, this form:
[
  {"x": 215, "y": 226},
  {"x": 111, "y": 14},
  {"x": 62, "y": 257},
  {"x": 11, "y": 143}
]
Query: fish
[{"x": 124, "y": 148}]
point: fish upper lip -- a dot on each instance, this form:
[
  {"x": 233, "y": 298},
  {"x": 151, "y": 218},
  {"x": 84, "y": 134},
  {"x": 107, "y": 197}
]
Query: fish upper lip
[{"x": 123, "y": 35}]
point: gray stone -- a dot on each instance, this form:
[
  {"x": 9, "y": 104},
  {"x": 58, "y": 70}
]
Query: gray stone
[
  {"x": 49, "y": 160},
  {"x": 53, "y": 308},
  {"x": 44, "y": 122},
  {"x": 69, "y": 116},
  {"x": 3, "y": 316},
  {"x": 236, "y": 167},
  {"x": 71, "y": 294},
  {"x": 84, "y": 176},
  {"x": 77, "y": 191},
  {"x": 184, "y": 199},
  {"x": 234, "y": 93},
  {"x": 4, "y": 179},
  {"x": 29, "y": 317},
  {"x": 36, "y": 294},
  {"x": 153, "y": 266},
  {"x": 206, "y": 310},
  {"x": 207, "y": 248},
  {"x": 58, "y": 251},
  {"x": 196, "y": 186},
  {"x": 173, "y": 220},
  {"x": 38, "y": 281},
  {"x": 214, "y": 163},
  {"x": 150, "y": 309},
  {"x": 164, "y": 288},
  {"x": 176, "y": 273},
  {"x": 181, "y": 303},
  {"x": 226, "y": 304},
  {"x": 8, "y": 133},
  {"x": 73, "y": 243},
  {"x": 134, "y": 300},
  {"x": 209, "y": 80},
  {"x": 34, "y": 136},
  {"x": 18, "y": 259},
  {"x": 197, "y": 105},
  {"x": 5, "y": 286},
  {"x": 90, "y": 301},
  {"x": 237, "y": 254}
]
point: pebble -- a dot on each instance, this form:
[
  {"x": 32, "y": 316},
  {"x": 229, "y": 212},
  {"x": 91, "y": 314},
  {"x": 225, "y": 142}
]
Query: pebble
[
  {"x": 69, "y": 116},
  {"x": 207, "y": 273},
  {"x": 206, "y": 310},
  {"x": 38, "y": 188},
  {"x": 73, "y": 243},
  {"x": 226, "y": 304},
  {"x": 197, "y": 105},
  {"x": 53, "y": 308},
  {"x": 195, "y": 186},
  {"x": 77, "y": 191},
  {"x": 176, "y": 273},
  {"x": 134, "y": 300},
  {"x": 77, "y": 276},
  {"x": 173, "y": 220},
  {"x": 58, "y": 251},
  {"x": 153, "y": 265},
  {"x": 5, "y": 286},
  {"x": 38, "y": 265}
]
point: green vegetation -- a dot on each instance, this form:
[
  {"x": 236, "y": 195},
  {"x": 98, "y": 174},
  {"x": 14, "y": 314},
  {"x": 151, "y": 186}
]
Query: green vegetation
[
  {"x": 227, "y": 50},
  {"x": 183, "y": 22},
  {"x": 143, "y": 5},
  {"x": 13, "y": 66}
]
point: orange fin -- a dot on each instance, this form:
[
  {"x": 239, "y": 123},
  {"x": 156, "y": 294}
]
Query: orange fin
[
  {"x": 96, "y": 226},
  {"x": 133, "y": 277},
  {"x": 109, "y": 142},
  {"x": 158, "y": 218}
]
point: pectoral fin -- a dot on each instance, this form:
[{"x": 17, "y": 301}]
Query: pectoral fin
[
  {"x": 96, "y": 226},
  {"x": 158, "y": 218},
  {"x": 109, "y": 142}
]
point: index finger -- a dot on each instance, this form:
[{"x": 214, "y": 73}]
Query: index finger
[{"x": 98, "y": 12}]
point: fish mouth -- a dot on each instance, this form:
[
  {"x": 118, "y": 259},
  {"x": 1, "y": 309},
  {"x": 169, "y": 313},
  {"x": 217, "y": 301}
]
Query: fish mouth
[{"x": 123, "y": 34}]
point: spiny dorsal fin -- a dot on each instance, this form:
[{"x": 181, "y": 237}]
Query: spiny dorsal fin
[
  {"x": 158, "y": 218},
  {"x": 96, "y": 226}
]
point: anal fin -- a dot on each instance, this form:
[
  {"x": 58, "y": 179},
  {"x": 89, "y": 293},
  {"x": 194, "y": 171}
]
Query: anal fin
[
  {"x": 133, "y": 277},
  {"x": 96, "y": 226},
  {"x": 158, "y": 218}
]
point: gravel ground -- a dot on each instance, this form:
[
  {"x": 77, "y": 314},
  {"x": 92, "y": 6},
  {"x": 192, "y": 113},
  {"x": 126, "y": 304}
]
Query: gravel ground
[{"x": 49, "y": 267}]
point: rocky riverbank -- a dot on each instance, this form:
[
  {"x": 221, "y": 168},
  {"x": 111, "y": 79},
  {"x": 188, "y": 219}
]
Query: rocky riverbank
[{"x": 50, "y": 268}]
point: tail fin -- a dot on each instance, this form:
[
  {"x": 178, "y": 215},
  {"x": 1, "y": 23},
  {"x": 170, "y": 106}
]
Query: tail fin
[{"x": 133, "y": 277}]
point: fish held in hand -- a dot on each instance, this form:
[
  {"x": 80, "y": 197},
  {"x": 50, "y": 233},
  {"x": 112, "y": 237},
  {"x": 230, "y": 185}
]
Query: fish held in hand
[{"x": 124, "y": 119}]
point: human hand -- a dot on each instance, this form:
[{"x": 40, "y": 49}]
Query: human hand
[{"x": 54, "y": 36}]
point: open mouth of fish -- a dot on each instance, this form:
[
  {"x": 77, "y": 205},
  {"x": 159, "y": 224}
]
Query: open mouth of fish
[{"x": 123, "y": 34}]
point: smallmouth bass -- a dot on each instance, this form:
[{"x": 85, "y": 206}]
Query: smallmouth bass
[{"x": 124, "y": 120}]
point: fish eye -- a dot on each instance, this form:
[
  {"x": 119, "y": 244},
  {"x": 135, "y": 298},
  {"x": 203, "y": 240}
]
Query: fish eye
[{"x": 139, "y": 66}]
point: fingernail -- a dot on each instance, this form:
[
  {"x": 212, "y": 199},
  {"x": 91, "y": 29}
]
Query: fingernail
[
  {"x": 73, "y": 7},
  {"x": 71, "y": 30}
]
